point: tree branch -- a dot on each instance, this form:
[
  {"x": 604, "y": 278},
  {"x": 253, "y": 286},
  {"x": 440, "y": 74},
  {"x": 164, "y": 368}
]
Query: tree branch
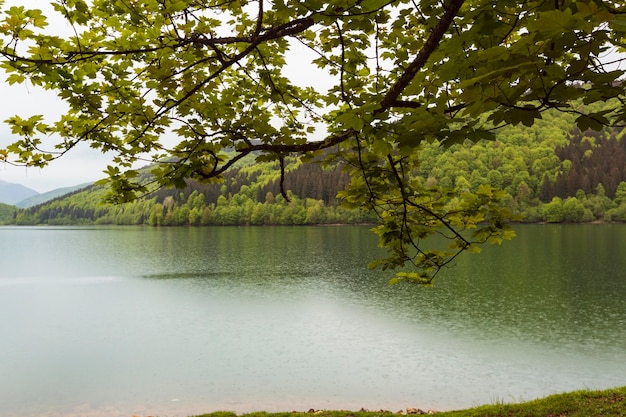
[
  {"x": 286, "y": 29},
  {"x": 281, "y": 150},
  {"x": 391, "y": 98}
]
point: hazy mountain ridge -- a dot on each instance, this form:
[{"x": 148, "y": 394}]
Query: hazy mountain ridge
[
  {"x": 50, "y": 195},
  {"x": 12, "y": 194}
]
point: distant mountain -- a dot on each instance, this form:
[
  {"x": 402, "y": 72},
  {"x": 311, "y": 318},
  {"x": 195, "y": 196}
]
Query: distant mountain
[
  {"x": 50, "y": 195},
  {"x": 14, "y": 193}
]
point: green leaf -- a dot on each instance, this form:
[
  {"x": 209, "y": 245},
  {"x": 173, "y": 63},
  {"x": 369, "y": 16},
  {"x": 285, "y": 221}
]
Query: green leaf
[
  {"x": 618, "y": 22},
  {"x": 489, "y": 76},
  {"x": 409, "y": 141},
  {"x": 371, "y": 5},
  {"x": 350, "y": 120},
  {"x": 585, "y": 122},
  {"x": 526, "y": 116},
  {"x": 15, "y": 78}
]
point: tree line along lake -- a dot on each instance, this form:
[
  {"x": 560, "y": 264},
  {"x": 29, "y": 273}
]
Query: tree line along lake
[{"x": 176, "y": 321}]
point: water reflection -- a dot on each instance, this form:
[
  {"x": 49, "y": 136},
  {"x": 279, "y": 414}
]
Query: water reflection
[{"x": 183, "y": 321}]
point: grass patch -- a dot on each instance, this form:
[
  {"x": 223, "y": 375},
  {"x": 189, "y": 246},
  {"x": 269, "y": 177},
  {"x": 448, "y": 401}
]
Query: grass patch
[{"x": 606, "y": 403}]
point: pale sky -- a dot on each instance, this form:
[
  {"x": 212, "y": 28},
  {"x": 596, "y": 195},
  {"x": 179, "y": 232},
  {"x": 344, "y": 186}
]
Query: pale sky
[
  {"x": 81, "y": 165},
  {"x": 84, "y": 164}
]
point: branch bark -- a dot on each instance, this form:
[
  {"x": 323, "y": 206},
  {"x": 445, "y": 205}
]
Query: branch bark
[{"x": 391, "y": 98}]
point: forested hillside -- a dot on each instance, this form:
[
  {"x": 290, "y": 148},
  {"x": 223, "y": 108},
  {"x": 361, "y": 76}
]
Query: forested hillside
[
  {"x": 248, "y": 196},
  {"x": 552, "y": 172},
  {"x": 6, "y": 213}
]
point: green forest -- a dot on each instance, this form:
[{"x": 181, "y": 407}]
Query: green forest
[
  {"x": 7, "y": 213},
  {"x": 552, "y": 172}
]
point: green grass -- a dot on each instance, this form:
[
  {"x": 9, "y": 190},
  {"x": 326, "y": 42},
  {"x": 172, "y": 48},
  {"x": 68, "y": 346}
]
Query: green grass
[{"x": 607, "y": 403}]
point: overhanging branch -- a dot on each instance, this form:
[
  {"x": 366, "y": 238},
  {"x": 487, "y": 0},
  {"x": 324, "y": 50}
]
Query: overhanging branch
[{"x": 431, "y": 44}]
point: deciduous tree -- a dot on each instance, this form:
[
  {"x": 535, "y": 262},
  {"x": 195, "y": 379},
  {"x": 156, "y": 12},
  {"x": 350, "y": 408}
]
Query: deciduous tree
[{"x": 179, "y": 83}]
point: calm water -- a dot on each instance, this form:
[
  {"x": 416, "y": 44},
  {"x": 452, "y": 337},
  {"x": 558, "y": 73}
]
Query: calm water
[{"x": 174, "y": 322}]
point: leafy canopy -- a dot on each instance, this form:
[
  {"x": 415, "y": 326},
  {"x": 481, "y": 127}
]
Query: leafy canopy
[{"x": 179, "y": 83}]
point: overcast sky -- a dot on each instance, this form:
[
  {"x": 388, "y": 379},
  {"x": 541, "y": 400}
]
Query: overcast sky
[{"x": 81, "y": 165}]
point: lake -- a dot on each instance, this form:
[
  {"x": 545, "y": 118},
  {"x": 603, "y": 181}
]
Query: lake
[{"x": 122, "y": 321}]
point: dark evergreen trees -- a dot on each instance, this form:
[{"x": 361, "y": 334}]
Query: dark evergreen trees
[{"x": 590, "y": 158}]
